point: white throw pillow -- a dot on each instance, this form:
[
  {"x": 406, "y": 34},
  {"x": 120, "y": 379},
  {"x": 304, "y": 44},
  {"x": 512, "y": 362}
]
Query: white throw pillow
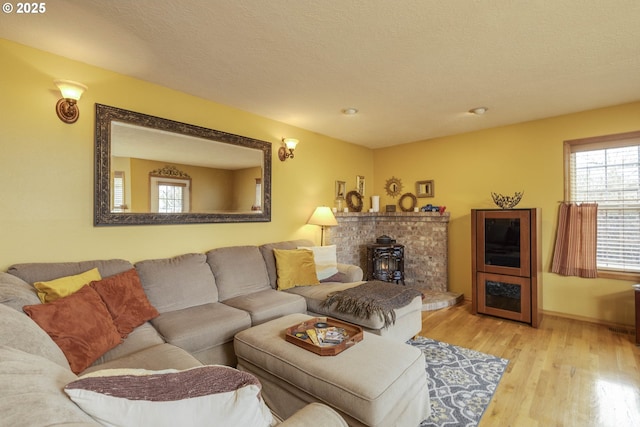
[
  {"x": 325, "y": 259},
  {"x": 203, "y": 396}
]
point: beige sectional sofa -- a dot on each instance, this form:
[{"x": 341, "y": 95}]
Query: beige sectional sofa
[{"x": 203, "y": 300}]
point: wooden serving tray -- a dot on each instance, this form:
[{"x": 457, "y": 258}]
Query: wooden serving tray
[{"x": 354, "y": 331}]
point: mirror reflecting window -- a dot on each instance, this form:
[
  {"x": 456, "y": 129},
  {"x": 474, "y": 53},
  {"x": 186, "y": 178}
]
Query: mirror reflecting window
[{"x": 151, "y": 170}]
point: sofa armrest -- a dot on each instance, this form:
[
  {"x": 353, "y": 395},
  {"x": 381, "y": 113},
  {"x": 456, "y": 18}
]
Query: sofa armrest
[
  {"x": 352, "y": 272},
  {"x": 314, "y": 414}
]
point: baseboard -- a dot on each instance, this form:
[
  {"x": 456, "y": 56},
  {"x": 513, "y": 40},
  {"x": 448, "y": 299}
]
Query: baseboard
[{"x": 612, "y": 325}]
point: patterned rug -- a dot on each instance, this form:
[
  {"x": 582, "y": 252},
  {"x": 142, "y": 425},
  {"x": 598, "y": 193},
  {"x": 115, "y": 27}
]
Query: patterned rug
[{"x": 461, "y": 382}]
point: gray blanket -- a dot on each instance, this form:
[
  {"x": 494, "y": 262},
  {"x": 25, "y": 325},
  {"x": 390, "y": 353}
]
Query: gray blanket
[{"x": 371, "y": 298}]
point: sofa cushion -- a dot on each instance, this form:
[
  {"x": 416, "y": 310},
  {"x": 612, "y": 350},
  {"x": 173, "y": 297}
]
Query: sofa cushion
[
  {"x": 295, "y": 267},
  {"x": 201, "y": 327},
  {"x": 238, "y": 270},
  {"x": 201, "y": 396},
  {"x": 52, "y": 290},
  {"x": 177, "y": 283},
  {"x": 268, "y": 304},
  {"x": 126, "y": 301},
  {"x": 270, "y": 260},
  {"x": 31, "y": 392},
  {"x": 159, "y": 356},
  {"x": 326, "y": 261},
  {"x": 17, "y": 330},
  {"x": 43, "y": 271},
  {"x": 142, "y": 337},
  {"x": 80, "y": 324},
  {"x": 15, "y": 292}
]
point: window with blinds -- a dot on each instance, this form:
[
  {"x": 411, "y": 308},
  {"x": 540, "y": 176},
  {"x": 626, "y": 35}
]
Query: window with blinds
[
  {"x": 118, "y": 192},
  {"x": 606, "y": 170}
]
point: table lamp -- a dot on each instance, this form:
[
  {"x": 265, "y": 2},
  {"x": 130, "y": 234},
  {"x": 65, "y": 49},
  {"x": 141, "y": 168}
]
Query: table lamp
[{"x": 323, "y": 217}]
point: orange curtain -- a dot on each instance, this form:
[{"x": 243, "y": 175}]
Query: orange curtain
[{"x": 575, "y": 252}]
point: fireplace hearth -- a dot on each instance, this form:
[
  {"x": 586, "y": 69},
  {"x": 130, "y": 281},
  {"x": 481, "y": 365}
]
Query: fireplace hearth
[{"x": 424, "y": 236}]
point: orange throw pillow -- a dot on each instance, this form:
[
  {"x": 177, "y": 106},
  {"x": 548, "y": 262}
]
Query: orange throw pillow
[
  {"x": 126, "y": 301},
  {"x": 79, "y": 324}
]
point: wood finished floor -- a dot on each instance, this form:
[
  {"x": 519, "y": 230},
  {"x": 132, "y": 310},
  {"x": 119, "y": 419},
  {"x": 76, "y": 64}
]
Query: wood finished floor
[{"x": 566, "y": 373}]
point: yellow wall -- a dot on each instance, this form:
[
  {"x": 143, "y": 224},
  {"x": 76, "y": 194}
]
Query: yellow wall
[
  {"x": 211, "y": 188},
  {"x": 47, "y": 167},
  {"x": 524, "y": 157},
  {"x": 244, "y": 188}
]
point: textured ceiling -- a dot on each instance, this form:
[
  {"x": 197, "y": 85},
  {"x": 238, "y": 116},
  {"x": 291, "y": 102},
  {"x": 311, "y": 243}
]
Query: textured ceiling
[{"x": 412, "y": 68}]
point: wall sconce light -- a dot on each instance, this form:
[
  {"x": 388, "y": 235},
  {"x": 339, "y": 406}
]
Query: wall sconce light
[
  {"x": 67, "y": 107},
  {"x": 289, "y": 144},
  {"x": 323, "y": 216}
]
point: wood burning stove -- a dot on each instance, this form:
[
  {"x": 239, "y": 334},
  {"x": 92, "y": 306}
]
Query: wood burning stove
[{"x": 385, "y": 262}]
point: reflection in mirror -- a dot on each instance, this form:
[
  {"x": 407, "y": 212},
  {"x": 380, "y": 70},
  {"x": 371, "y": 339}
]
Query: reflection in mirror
[
  {"x": 151, "y": 170},
  {"x": 424, "y": 188}
]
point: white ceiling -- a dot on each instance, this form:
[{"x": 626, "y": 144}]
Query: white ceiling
[
  {"x": 153, "y": 144},
  {"x": 412, "y": 68}
]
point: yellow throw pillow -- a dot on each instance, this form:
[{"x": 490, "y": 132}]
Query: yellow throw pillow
[
  {"x": 64, "y": 286},
  {"x": 295, "y": 267}
]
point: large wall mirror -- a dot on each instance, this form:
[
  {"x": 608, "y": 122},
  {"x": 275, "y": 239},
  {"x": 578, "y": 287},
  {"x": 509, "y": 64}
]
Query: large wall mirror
[{"x": 151, "y": 170}]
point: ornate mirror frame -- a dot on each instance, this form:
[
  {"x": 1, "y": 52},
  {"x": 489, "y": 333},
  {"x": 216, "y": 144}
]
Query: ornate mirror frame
[
  {"x": 424, "y": 188},
  {"x": 103, "y": 215}
]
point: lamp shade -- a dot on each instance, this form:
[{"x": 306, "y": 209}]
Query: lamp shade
[
  {"x": 323, "y": 216},
  {"x": 290, "y": 143},
  {"x": 70, "y": 89}
]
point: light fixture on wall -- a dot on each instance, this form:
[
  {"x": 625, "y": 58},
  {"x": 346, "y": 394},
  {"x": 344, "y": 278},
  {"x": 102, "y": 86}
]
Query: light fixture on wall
[
  {"x": 290, "y": 145},
  {"x": 323, "y": 217},
  {"x": 67, "y": 107}
]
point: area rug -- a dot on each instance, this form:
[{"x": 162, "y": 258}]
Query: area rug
[{"x": 461, "y": 382}]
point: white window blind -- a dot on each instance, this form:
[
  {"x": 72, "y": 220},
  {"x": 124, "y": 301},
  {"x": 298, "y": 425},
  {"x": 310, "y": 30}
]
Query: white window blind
[
  {"x": 607, "y": 171},
  {"x": 118, "y": 191}
]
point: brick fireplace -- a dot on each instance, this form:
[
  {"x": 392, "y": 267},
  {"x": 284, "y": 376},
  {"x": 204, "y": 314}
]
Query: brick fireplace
[{"x": 423, "y": 234}]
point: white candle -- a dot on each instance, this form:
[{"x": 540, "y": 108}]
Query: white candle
[
  {"x": 416, "y": 209},
  {"x": 346, "y": 210},
  {"x": 375, "y": 203},
  {"x": 335, "y": 210}
]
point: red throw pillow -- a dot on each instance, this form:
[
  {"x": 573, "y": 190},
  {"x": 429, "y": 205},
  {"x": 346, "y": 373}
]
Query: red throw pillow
[
  {"x": 126, "y": 301},
  {"x": 79, "y": 324}
]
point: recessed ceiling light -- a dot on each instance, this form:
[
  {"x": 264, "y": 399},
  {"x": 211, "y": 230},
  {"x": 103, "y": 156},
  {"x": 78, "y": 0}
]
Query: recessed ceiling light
[
  {"x": 350, "y": 111},
  {"x": 478, "y": 111}
]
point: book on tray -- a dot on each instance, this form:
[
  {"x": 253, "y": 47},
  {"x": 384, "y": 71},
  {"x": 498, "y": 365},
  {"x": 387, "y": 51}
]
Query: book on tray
[{"x": 331, "y": 335}]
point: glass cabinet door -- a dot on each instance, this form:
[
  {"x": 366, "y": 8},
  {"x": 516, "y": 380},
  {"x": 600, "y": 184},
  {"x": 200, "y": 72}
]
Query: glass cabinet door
[
  {"x": 503, "y": 239},
  {"x": 504, "y": 296}
]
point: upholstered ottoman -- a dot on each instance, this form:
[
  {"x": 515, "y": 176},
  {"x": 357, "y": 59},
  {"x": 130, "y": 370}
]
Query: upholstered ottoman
[{"x": 377, "y": 382}]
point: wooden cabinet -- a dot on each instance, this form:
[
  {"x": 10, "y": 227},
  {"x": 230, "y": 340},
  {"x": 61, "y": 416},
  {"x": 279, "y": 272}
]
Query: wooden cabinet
[{"x": 506, "y": 264}]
